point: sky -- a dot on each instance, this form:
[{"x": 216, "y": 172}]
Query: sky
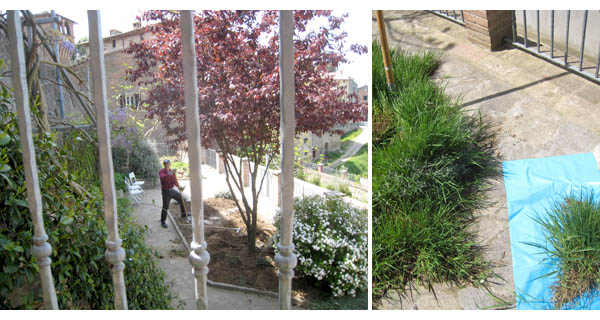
[{"x": 357, "y": 25}]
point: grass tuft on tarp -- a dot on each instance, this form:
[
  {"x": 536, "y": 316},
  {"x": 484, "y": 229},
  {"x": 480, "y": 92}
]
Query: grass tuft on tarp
[{"x": 572, "y": 229}]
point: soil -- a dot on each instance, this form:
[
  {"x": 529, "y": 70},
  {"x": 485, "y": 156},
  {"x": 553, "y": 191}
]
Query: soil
[{"x": 230, "y": 260}]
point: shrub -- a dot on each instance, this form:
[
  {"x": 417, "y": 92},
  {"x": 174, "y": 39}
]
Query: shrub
[
  {"x": 331, "y": 156},
  {"x": 82, "y": 156},
  {"x": 144, "y": 160},
  {"x": 224, "y": 195},
  {"x": 120, "y": 158},
  {"x": 331, "y": 243},
  {"x": 120, "y": 181},
  {"x": 180, "y": 166},
  {"x": 343, "y": 188},
  {"x": 141, "y": 159},
  {"x": 76, "y": 231},
  {"x": 300, "y": 173},
  {"x": 330, "y": 186},
  {"x": 316, "y": 180}
]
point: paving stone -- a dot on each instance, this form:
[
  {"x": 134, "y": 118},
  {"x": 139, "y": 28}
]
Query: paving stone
[{"x": 474, "y": 298}]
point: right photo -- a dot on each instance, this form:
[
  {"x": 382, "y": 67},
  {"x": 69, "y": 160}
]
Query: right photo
[{"x": 486, "y": 159}]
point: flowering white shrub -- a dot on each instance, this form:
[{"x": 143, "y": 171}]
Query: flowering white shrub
[{"x": 331, "y": 243}]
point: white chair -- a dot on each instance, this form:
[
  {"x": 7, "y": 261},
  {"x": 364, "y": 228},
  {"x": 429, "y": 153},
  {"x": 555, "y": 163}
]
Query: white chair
[
  {"x": 134, "y": 181},
  {"x": 134, "y": 191}
]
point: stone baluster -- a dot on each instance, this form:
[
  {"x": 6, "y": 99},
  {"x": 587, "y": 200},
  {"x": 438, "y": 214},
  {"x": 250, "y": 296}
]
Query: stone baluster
[
  {"x": 41, "y": 249},
  {"x": 199, "y": 257},
  {"x": 285, "y": 258},
  {"x": 115, "y": 255}
]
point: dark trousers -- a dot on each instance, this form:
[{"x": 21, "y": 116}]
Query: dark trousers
[{"x": 167, "y": 195}]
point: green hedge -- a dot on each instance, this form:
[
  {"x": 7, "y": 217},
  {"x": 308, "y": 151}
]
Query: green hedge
[{"x": 77, "y": 233}]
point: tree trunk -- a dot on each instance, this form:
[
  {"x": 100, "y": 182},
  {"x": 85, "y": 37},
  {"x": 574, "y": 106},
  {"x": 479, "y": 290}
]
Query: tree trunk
[{"x": 251, "y": 239}]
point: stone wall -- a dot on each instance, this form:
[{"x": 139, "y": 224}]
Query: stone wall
[
  {"x": 359, "y": 191},
  {"x": 305, "y": 143}
]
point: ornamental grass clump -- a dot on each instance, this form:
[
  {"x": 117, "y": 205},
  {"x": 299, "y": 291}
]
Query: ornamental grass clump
[
  {"x": 572, "y": 230},
  {"x": 431, "y": 166},
  {"x": 331, "y": 243}
]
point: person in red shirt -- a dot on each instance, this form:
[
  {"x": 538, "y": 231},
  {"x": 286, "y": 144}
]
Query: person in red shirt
[{"x": 168, "y": 180}]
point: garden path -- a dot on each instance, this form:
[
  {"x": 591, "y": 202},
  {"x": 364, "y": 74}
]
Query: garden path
[
  {"x": 355, "y": 145},
  {"x": 174, "y": 259},
  {"x": 539, "y": 110}
]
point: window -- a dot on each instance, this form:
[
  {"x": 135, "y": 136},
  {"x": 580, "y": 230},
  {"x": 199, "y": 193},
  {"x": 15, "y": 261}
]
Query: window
[
  {"x": 114, "y": 43},
  {"x": 68, "y": 29},
  {"x": 129, "y": 100},
  {"x": 142, "y": 36},
  {"x": 305, "y": 140},
  {"x": 365, "y": 98},
  {"x": 326, "y": 147},
  {"x": 314, "y": 153}
]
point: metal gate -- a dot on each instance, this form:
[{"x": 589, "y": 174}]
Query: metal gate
[
  {"x": 211, "y": 158},
  {"x": 454, "y": 15}
]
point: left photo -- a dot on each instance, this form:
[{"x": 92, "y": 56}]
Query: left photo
[{"x": 184, "y": 159}]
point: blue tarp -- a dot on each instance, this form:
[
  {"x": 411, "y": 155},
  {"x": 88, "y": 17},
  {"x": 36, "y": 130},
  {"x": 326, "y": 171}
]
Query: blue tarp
[{"x": 532, "y": 186}]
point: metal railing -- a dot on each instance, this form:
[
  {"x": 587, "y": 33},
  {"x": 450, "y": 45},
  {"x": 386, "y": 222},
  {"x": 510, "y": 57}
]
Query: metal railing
[
  {"x": 559, "y": 56},
  {"x": 211, "y": 157},
  {"x": 454, "y": 15}
]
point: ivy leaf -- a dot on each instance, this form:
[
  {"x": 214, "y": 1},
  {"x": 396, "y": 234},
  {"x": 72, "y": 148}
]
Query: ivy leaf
[
  {"x": 4, "y": 167},
  {"x": 11, "y": 269},
  {"x": 66, "y": 220},
  {"x": 4, "y": 138},
  {"x": 18, "y": 249},
  {"x": 21, "y": 203}
]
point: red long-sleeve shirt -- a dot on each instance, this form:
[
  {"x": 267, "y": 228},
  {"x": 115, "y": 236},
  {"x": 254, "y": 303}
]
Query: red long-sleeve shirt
[{"x": 167, "y": 179}]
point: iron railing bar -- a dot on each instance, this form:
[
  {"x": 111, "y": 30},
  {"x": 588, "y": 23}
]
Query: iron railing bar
[
  {"x": 558, "y": 62},
  {"x": 585, "y": 16},
  {"x": 285, "y": 258},
  {"x": 525, "y": 27},
  {"x": 115, "y": 255},
  {"x": 567, "y": 38},
  {"x": 537, "y": 14},
  {"x": 441, "y": 14},
  {"x": 41, "y": 249},
  {"x": 199, "y": 256},
  {"x": 462, "y": 16},
  {"x": 514, "y": 26},
  {"x": 454, "y": 14},
  {"x": 552, "y": 34},
  {"x": 598, "y": 63}
]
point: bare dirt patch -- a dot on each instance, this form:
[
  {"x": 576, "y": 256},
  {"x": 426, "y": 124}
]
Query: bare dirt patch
[{"x": 230, "y": 260}]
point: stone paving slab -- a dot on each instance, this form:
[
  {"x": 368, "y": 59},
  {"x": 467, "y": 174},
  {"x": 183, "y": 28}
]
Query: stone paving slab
[{"x": 539, "y": 110}]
